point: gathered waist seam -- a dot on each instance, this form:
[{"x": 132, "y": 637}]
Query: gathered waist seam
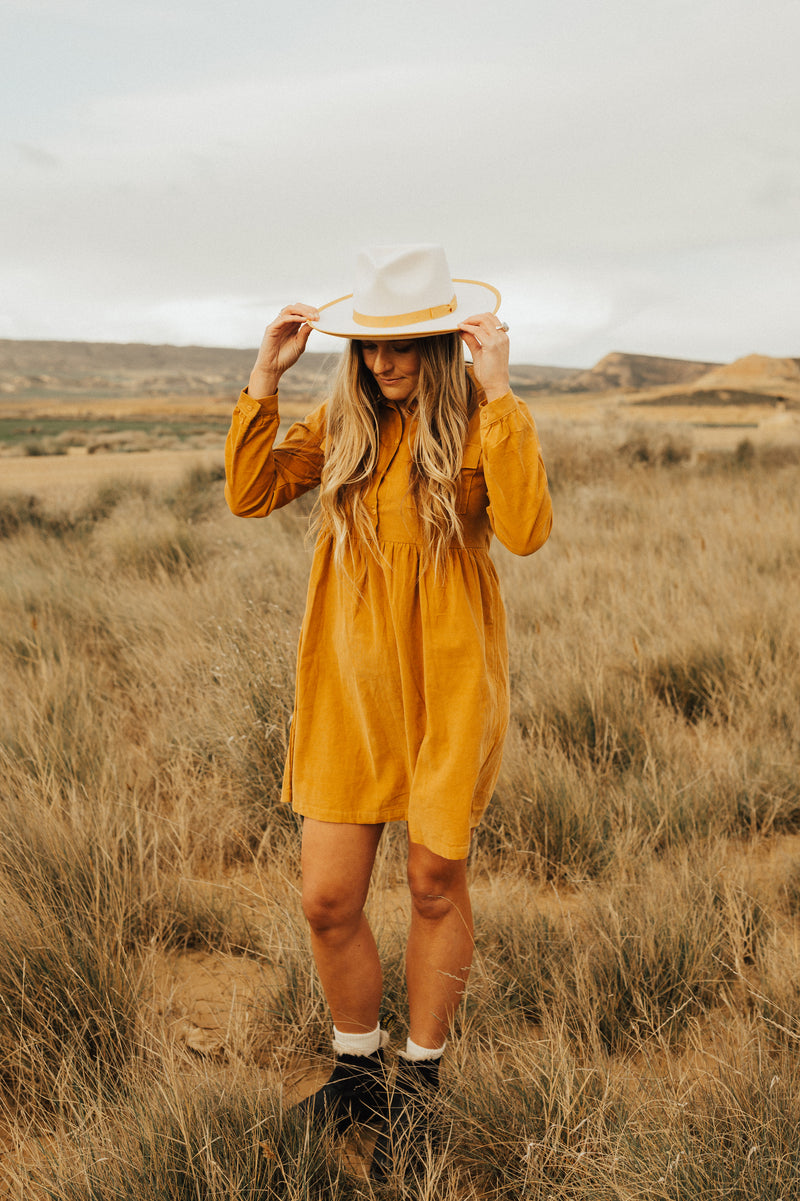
[{"x": 451, "y": 550}]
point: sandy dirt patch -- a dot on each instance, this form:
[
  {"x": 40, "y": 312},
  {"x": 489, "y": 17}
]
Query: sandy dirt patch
[{"x": 65, "y": 479}]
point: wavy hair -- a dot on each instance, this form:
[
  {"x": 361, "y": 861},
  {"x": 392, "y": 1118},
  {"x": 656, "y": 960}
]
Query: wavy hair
[{"x": 443, "y": 401}]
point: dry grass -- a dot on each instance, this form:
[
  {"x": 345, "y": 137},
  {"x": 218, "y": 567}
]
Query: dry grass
[{"x": 632, "y": 1023}]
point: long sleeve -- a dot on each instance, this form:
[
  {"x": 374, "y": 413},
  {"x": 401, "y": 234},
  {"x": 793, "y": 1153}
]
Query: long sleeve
[
  {"x": 260, "y": 477},
  {"x": 520, "y": 510}
]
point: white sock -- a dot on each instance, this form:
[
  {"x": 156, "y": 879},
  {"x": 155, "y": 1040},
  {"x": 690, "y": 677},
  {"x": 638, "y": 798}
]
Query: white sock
[
  {"x": 416, "y": 1053},
  {"x": 359, "y": 1044}
]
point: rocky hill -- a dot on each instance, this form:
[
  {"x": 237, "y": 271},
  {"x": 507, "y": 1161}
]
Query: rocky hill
[
  {"x": 85, "y": 371},
  {"x": 101, "y": 370},
  {"x": 755, "y": 371},
  {"x": 635, "y": 371}
]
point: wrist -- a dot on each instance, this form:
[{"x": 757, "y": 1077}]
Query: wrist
[
  {"x": 494, "y": 389},
  {"x": 262, "y": 383}
]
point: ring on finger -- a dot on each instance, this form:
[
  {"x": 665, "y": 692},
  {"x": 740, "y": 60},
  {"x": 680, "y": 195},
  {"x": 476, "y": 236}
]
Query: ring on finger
[{"x": 503, "y": 327}]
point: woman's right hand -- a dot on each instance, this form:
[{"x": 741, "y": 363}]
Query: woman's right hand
[{"x": 284, "y": 341}]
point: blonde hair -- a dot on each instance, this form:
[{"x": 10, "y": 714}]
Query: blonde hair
[{"x": 443, "y": 400}]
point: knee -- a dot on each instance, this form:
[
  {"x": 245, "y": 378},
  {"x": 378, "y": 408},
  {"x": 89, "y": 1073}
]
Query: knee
[
  {"x": 434, "y": 892},
  {"x": 329, "y": 912}
]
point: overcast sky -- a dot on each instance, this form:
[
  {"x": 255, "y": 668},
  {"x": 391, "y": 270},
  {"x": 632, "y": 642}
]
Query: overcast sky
[{"x": 626, "y": 172}]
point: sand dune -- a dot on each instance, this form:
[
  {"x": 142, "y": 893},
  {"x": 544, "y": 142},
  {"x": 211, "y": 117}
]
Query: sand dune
[{"x": 754, "y": 372}]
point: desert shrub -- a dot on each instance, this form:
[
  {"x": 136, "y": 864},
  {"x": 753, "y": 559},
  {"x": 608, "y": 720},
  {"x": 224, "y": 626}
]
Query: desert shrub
[
  {"x": 197, "y": 494},
  {"x": 254, "y": 672},
  {"x": 768, "y": 798},
  {"x": 190, "y": 500},
  {"x": 36, "y": 447},
  {"x": 549, "y": 813},
  {"x": 655, "y": 449},
  {"x": 734, "y": 1136},
  {"x": 108, "y": 495},
  {"x": 20, "y": 512},
  {"x": 135, "y": 539},
  {"x": 777, "y": 456},
  {"x": 600, "y": 724},
  {"x": 190, "y": 914},
  {"x": 570, "y": 463},
  {"x": 745, "y": 453},
  {"x": 699, "y": 683},
  {"x": 672, "y": 809},
  {"x": 145, "y": 713},
  {"x": 219, "y": 1144},
  {"x": 526, "y": 1120},
  {"x": 68, "y": 1018},
  {"x": 638, "y": 962},
  {"x": 518, "y": 951},
  {"x": 54, "y": 733},
  {"x": 659, "y": 958}
]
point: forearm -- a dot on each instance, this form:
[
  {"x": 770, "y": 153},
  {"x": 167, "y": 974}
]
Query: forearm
[
  {"x": 250, "y": 474},
  {"x": 259, "y": 477},
  {"x": 520, "y": 509}
]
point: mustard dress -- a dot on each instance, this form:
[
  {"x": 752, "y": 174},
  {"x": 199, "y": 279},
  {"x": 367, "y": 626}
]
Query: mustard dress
[{"x": 401, "y": 703}]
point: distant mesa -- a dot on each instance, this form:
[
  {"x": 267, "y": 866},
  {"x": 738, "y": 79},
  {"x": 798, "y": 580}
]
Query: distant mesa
[
  {"x": 70, "y": 371},
  {"x": 753, "y": 371},
  {"x": 41, "y": 370},
  {"x": 650, "y": 380},
  {"x": 635, "y": 371}
]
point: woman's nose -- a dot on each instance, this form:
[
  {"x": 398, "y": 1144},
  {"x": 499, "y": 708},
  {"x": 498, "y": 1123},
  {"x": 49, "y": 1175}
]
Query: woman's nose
[{"x": 383, "y": 360}]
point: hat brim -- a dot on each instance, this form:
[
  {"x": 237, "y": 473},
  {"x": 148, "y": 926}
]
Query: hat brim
[{"x": 472, "y": 297}]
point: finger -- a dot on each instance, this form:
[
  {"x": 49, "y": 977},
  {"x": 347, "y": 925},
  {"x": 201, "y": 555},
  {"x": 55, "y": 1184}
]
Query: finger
[
  {"x": 304, "y": 312},
  {"x": 470, "y": 340},
  {"x": 293, "y": 317},
  {"x": 487, "y": 322},
  {"x": 304, "y": 334}
]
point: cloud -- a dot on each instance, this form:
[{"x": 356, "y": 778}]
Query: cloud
[
  {"x": 36, "y": 156},
  {"x": 589, "y": 155}
]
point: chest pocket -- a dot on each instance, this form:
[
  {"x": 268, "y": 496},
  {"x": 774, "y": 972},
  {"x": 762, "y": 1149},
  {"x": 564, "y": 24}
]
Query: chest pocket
[{"x": 472, "y": 496}]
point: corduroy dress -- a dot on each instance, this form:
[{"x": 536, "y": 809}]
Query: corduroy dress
[{"x": 401, "y": 702}]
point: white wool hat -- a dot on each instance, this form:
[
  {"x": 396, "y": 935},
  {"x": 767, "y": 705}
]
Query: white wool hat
[{"x": 404, "y": 292}]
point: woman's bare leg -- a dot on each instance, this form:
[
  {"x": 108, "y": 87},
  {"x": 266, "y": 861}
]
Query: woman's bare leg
[
  {"x": 337, "y": 861},
  {"x": 440, "y": 943}
]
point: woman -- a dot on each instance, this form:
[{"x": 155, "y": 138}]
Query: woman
[{"x": 401, "y": 704}]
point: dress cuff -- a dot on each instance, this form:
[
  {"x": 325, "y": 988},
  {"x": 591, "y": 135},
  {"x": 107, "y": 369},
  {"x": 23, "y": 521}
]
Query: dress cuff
[
  {"x": 496, "y": 410},
  {"x": 250, "y": 407}
]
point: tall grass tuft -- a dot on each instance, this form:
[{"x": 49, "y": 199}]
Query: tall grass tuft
[
  {"x": 183, "y": 1143},
  {"x": 637, "y": 963},
  {"x": 528, "y": 1119},
  {"x": 732, "y": 1136},
  {"x": 631, "y": 1022}
]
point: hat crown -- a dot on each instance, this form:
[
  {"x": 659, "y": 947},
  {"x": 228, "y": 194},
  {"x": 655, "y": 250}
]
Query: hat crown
[
  {"x": 394, "y": 281},
  {"x": 404, "y": 292}
]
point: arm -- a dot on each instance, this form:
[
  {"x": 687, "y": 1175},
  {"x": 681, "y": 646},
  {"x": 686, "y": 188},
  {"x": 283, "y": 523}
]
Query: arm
[
  {"x": 520, "y": 510},
  {"x": 258, "y": 478}
]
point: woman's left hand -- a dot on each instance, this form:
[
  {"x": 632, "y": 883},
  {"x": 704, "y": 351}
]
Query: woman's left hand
[{"x": 488, "y": 342}]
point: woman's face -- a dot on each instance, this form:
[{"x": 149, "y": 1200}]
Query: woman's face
[{"x": 395, "y": 366}]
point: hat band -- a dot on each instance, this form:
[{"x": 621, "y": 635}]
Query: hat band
[{"x": 439, "y": 310}]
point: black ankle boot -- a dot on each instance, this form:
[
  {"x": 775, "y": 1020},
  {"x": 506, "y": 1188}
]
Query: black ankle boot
[
  {"x": 355, "y": 1092},
  {"x": 411, "y": 1125}
]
